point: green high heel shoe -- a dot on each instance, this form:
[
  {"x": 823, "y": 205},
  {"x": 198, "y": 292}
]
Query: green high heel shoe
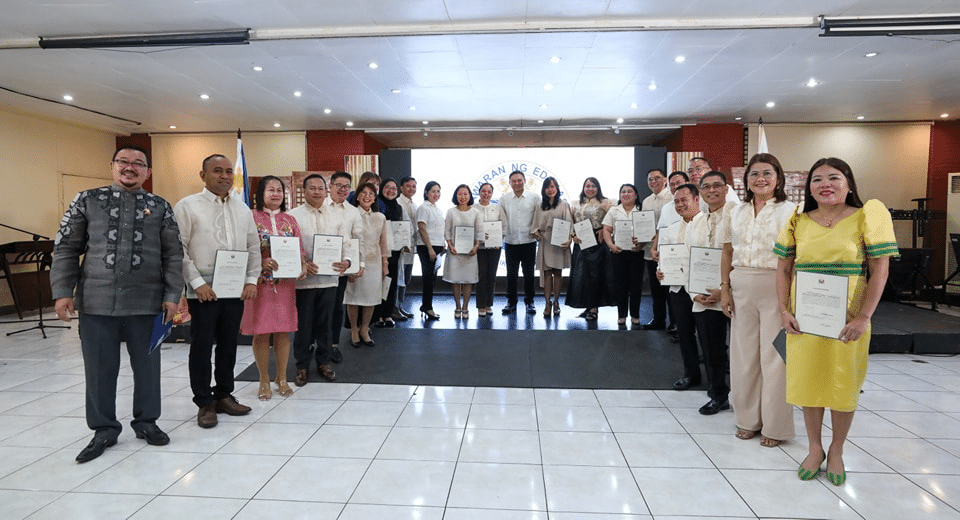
[{"x": 806, "y": 474}]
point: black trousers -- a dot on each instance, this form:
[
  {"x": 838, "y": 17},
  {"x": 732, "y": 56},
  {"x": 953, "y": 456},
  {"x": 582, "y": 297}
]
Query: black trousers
[
  {"x": 314, "y": 320},
  {"x": 658, "y": 293},
  {"x": 520, "y": 256},
  {"x": 487, "y": 262},
  {"x": 712, "y": 333},
  {"x": 337, "y": 325},
  {"x": 681, "y": 308},
  {"x": 628, "y": 274},
  {"x": 100, "y": 338},
  {"x": 429, "y": 276},
  {"x": 385, "y": 308},
  {"x": 212, "y": 322}
]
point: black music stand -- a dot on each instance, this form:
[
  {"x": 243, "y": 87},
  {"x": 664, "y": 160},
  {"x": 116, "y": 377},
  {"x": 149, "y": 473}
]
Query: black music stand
[{"x": 40, "y": 252}]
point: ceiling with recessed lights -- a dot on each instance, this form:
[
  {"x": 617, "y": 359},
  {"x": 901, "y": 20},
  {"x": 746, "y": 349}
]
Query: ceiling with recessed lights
[{"x": 570, "y": 68}]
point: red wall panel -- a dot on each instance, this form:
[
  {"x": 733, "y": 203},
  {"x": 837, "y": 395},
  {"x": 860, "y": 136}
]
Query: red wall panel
[{"x": 944, "y": 159}]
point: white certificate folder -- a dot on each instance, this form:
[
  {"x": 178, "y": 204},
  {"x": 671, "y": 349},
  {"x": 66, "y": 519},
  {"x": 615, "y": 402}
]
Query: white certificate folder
[
  {"x": 229, "y": 273},
  {"x": 821, "y": 303}
]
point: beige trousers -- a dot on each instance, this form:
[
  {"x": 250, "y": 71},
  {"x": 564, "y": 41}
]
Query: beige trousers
[{"x": 757, "y": 372}]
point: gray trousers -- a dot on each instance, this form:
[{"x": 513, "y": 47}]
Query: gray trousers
[{"x": 100, "y": 338}]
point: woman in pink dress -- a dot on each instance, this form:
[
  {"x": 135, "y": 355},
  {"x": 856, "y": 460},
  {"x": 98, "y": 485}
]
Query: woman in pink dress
[{"x": 274, "y": 310}]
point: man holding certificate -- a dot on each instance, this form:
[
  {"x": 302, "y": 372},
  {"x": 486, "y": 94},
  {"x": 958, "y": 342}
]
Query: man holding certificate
[
  {"x": 673, "y": 258},
  {"x": 705, "y": 241},
  {"x": 836, "y": 236},
  {"x": 216, "y": 221},
  {"x": 131, "y": 273}
]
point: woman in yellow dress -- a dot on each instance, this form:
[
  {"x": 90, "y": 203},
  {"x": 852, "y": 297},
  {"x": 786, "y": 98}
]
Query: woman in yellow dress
[{"x": 834, "y": 234}]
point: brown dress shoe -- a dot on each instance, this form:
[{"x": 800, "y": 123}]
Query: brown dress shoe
[
  {"x": 207, "y": 416},
  {"x": 230, "y": 406},
  {"x": 327, "y": 372},
  {"x": 302, "y": 377}
]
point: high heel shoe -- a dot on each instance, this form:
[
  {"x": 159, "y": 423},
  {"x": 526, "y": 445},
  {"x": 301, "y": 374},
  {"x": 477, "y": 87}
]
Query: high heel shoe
[
  {"x": 429, "y": 314},
  {"x": 457, "y": 314},
  {"x": 368, "y": 341},
  {"x": 264, "y": 393},
  {"x": 806, "y": 474},
  {"x": 546, "y": 311},
  {"x": 556, "y": 308},
  {"x": 355, "y": 343},
  {"x": 283, "y": 388},
  {"x": 465, "y": 313}
]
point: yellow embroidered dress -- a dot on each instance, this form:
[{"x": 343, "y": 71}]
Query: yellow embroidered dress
[{"x": 824, "y": 372}]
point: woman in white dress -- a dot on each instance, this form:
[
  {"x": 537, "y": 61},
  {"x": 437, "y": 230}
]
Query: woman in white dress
[
  {"x": 551, "y": 259},
  {"x": 365, "y": 288},
  {"x": 488, "y": 256},
  {"x": 460, "y": 269}
]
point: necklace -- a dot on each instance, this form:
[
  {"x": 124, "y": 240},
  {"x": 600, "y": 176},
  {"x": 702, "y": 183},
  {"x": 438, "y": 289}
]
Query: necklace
[{"x": 832, "y": 218}]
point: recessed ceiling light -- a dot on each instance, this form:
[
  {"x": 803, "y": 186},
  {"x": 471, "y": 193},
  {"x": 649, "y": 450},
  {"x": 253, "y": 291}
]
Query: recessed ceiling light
[
  {"x": 349, "y": 123},
  {"x": 543, "y": 106},
  {"x": 425, "y": 122},
  {"x": 812, "y": 83},
  {"x": 634, "y": 105},
  {"x": 276, "y": 125},
  {"x": 771, "y": 104},
  {"x": 539, "y": 121},
  {"x": 257, "y": 68},
  {"x": 204, "y": 96},
  {"x": 67, "y": 97},
  {"x": 738, "y": 119},
  {"x": 548, "y": 86},
  {"x": 944, "y": 115},
  {"x": 412, "y": 107},
  {"x": 327, "y": 110},
  {"x": 555, "y": 59},
  {"x": 680, "y": 59},
  {"x": 173, "y": 127},
  {"x": 395, "y": 91},
  {"x": 652, "y": 86},
  {"x": 859, "y": 118},
  {"x": 372, "y": 65},
  {"x": 619, "y": 120},
  {"x": 297, "y": 93},
  {"x": 869, "y": 55}
]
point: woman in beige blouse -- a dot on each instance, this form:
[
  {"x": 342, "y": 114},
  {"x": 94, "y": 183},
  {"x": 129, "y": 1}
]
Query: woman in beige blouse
[
  {"x": 551, "y": 259},
  {"x": 749, "y": 298},
  {"x": 589, "y": 286}
]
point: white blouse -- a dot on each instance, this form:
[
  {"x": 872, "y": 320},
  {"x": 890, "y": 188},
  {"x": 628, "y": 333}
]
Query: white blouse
[
  {"x": 433, "y": 218},
  {"x": 753, "y": 237},
  {"x": 488, "y": 213}
]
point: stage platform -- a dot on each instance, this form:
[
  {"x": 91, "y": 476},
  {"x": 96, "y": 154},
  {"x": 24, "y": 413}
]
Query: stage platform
[{"x": 901, "y": 328}]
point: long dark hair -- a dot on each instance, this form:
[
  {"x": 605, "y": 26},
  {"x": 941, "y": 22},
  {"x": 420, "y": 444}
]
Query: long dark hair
[
  {"x": 635, "y": 194},
  {"x": 583, "y": 195},
  {"x": 779, "y": 192},
  {"x": 853, "y": 199},
  {"x": 545, "y": 202},
  {"x": 262, "y": 189}
]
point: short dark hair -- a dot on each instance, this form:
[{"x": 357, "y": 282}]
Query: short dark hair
[
  {"x": 406, "y": 180},
  {"x": 694, "y": 190},
  {"x": 713, "y": 173},
  {"x": 515, "y": 172},
  {"x": 262, "y": 189},
  {"x": 628, "y": 185},
  {"x": 779, "y": 192},
  {"x": 545, "y": 202},
  {"x": 375, "y": 207},
  {"x": 853, "y": 199},
  {"x": 341, "y": 175},
  {"x": 133, "y": 147},
  {"x": 428, "y": 187},
  {"x": 583, "y": 195},
  {"x": 469, "y": 191},
  {"x": 314, "y": 176},
  {"x": 651, "y": 170},
  {"x": 680, "y": 173},
  {"x": 210, "y": 158}
]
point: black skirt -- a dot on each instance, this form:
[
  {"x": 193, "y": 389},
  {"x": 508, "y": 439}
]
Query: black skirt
[{"x": 591, "y": 278}]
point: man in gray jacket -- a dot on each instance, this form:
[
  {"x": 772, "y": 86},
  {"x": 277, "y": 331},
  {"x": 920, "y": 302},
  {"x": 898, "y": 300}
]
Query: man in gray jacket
[{"x": 131, "y": 272}]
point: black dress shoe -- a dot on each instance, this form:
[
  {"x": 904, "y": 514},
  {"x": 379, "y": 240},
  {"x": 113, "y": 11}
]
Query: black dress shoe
[
  {"x": 509, "y": 309},
  {"x": 672, "y": 329},
  {"x": 653, "y": 325},
  {"x": 335, "y": 355},
  {"x": 153, "y": 435},
  {"x": 96, "y": 448},
  {"x": 368, "y": 342},
  {"x": 714, "y": 406},
  {"x": 684, "y": 383},
  {"x": 404, "y": 313},
  {"x": 531, "y": 309}
]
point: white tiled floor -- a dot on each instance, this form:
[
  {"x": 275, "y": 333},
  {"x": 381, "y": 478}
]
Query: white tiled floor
[{"x": 350, "y": 452}]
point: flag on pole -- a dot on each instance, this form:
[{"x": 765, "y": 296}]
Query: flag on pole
[
  {"x": 762, "y": 141},
  {"x": 241, "y": 186}
]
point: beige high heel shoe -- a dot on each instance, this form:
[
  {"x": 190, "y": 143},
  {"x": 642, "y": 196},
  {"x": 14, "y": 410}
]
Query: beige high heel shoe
[{"x": 264, "y": 393}]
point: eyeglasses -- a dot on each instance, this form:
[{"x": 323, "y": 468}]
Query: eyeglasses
[
  {"x": 137, "y": 165},
  {"x": 340, "y": 186},
  {"x": 714, "y": 186}
]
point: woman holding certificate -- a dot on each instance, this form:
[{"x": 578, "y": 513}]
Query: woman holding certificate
[
  {"x": 383, "y": 313},
  {"x": 274, "y": 310},
  {"x": 488, "y": 256},
  {"x": 461, "y": 230},
  {"x": 626, "y": 255},
  {"x": 430, "y": 224},
  {"x": 757, "y": 372},
  {"x": 365, "y": 289},
  {"x": 589, "y": 289},
  {"x": 835, "y": 237},
  {"x": 553, "y": 255}
]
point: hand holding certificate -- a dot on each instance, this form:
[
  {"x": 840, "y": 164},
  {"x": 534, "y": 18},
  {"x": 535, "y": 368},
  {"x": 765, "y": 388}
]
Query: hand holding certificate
[
  {"x": 623, "y": 234},
  {"x": 463, "y": 239},
  {"x": 644, "y": 225},
  {"x": 674, "y": 264},
  {"x": 584, "y": 231},
  {"x": 560, "y": 233},
  {"x": 351, "y": 251},
  {"x": 492, "y": 233},
  {"x": 286, "y": 252},
  {"x": 821, "y": 303},
  {"x": 400, "y": 235},
  {"x": 704, "y": 270},
  {"x": 327, "y": 249},
  {"x": 229, "y": 273}
]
